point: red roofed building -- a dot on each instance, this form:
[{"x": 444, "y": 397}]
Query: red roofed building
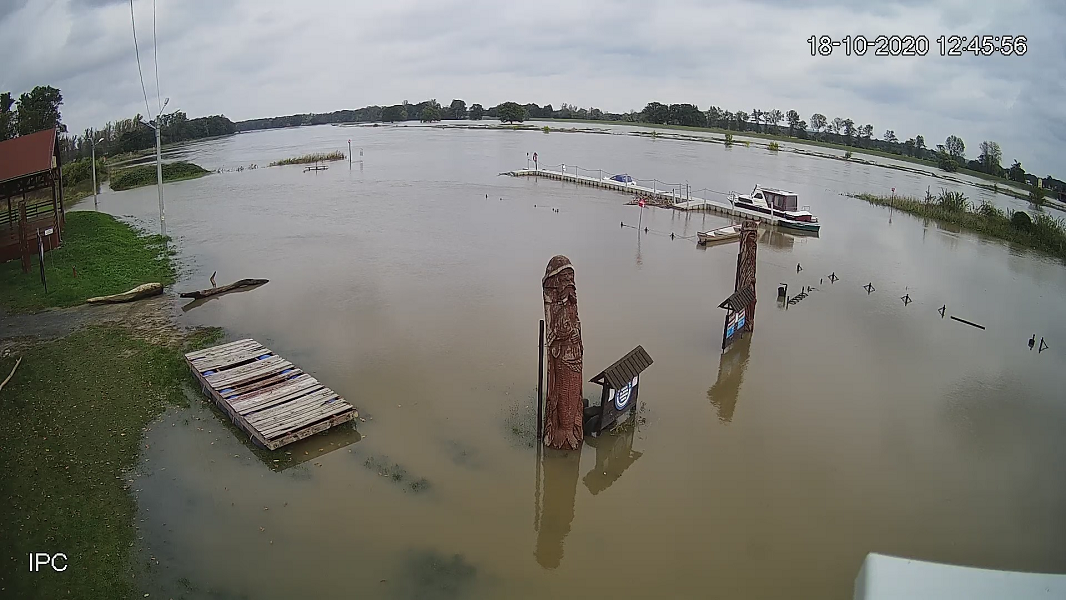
[{"x": 31, "y": 195}]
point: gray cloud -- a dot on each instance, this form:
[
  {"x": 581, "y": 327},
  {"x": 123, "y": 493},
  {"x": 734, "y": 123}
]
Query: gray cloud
[{"x": 253, "y": 58}]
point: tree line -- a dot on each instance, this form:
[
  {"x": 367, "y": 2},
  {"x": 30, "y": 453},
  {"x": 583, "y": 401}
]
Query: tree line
[
  {"x": 39, "y": 109},
  {"x": 949, "y": 156}
]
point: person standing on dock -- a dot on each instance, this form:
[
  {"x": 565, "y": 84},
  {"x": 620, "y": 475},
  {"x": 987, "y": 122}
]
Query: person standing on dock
[{"x": 535, "y": 161}]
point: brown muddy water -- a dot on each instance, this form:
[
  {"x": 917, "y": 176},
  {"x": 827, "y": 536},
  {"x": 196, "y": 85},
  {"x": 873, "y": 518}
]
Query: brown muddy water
[{"x": 846, "y": 424}]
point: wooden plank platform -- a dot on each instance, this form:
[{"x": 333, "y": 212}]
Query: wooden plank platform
[{"x": 268, "y": 397}]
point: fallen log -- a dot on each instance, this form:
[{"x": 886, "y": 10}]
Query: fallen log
[
  {"x": 243, "y": 283},
  {"x": 141, "y": 291}
]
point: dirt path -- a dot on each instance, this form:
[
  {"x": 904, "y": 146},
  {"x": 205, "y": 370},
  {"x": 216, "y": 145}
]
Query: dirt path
[{"x": 151, "y": 319}]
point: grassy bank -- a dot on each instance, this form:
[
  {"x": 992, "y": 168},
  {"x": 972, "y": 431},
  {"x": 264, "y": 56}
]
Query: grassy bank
[
  {"x": 310, "y": 158},
  {"x": 73, "y": 416},
  {"x": 109, "y": 256},
  {"x": 1041, "y": 232},
  {"x": 145, "y": 175}
]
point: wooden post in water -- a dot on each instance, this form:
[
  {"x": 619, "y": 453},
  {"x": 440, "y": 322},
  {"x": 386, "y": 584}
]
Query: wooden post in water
[{"x": 540, "y": 390}]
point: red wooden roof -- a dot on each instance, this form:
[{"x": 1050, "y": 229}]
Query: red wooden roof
[{"x": 27, "y": 154}]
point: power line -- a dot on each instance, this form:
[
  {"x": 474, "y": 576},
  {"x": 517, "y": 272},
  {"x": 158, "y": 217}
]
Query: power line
[
  {"x": 137, "y": 51},
  {"x": 155, "y": 57}
]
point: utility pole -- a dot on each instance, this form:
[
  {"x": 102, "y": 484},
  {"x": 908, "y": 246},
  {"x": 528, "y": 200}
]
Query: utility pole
[
  {"x": 154, "y": 124},
  {"x": 96, "y": 204}
]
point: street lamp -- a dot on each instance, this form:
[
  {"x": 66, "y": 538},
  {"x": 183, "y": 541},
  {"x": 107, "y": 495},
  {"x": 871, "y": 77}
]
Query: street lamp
[
  {"x": 96, "y": 204},
  {"x": 154, "y": 124}
]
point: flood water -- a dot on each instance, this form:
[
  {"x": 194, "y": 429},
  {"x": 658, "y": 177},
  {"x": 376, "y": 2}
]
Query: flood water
[{"x": 410, "y": 284}]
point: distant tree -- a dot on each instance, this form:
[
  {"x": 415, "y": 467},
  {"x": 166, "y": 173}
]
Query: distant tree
[
  {"x": 742, "y": 120},
  {"x": 890, "y": 137},
  {"x": 756, "y": 117},
  {"x": 866, "y": 132},
  {"x": 955, "y": 147},
  {"x": 476, "y": 112},
  {"x": 511, "y": 112},
  {"x": 849, "y": 130},
  {"x": 39, "y": 109},
  {"x": 801, "y": 129},
  {"x": 1016, "y": 172},
  {"x": 919, "y": 145},
  {"x": 457, "y": 109},
  {"x": 595, "y": 114},
  {"x": 818, "y": 122},
  {"x": 774, "y": 117},
  {"x": 945, "y": 160},
  {"x": 656, "y": 112},
  {"x": 837, "y": 125},
  {"x": 396, "y": 112},
  {"x": 908, "y": 147},
  {"x": 7, "y": 117},
  {"x": 793, "y": 118},
  {"x": 429, "y": 114},
  {"x": 990, "y": 158}
]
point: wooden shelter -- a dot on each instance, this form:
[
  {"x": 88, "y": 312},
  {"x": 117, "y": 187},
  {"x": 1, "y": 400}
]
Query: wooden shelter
[{"x": 31, "y": 195}]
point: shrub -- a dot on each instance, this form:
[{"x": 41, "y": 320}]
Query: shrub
[
  {"x": 774, "y": 147},
  {"x": 546, "y": 129},
  {"x": 729, "y": 139},
  {"x": 1036, "y": 195},
  {"x": 847, "y": 155},
  {"x": 990, "y": 210},
  {"x": 952, "y": 201},
  {"x": 1020, "y": 220},
  {"x": 146, "y": 175}
]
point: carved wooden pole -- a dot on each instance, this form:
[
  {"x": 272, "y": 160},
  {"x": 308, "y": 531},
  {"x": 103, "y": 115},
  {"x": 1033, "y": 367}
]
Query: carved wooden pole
[{"x": 562, "y": 427}]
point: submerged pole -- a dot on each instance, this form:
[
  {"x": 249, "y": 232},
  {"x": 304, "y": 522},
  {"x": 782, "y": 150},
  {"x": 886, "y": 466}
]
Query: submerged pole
[{"x": 540, "y": 390}]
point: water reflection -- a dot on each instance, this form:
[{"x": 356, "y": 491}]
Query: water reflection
[
  {"x": 723, "y": 394},
  {"x": 614, "y": 454},
  {"x": 777, "y": 239},
  {"x": 555, "y": 506}
]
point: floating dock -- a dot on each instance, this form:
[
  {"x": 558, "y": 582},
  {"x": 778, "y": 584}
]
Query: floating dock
[
  {"x": 268, "y": 397},
  {"x": 690, "y": 203}
]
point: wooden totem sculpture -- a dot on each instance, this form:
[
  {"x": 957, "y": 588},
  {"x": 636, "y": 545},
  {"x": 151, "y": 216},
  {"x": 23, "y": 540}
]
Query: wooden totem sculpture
[{"x": 562, "y": 423}]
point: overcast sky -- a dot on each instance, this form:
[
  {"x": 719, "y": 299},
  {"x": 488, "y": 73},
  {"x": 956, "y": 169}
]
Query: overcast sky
[{"x": 259, "y": 58}]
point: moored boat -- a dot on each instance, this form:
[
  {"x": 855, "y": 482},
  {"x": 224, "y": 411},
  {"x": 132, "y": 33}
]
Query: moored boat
[
  {"x": 781, "y": 204},
  {"x": 715, "y": 236}
]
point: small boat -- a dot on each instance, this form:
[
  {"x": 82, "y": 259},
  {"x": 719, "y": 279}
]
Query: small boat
[
  {"x": 715, "y": 236},
  {"x": 623, "y": 179},
  {"x": 778, "y": 203}
]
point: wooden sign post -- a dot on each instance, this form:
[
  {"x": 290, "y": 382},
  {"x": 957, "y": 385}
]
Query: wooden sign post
[{"x": 621, "y": 382}]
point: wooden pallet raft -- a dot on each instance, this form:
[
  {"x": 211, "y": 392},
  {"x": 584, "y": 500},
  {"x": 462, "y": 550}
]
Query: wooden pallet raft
[{"x": 268, "y": 397}]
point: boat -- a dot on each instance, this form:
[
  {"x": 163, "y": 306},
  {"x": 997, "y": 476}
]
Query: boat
[
  {"x": 778, "y": 203},
  {"x": 715, "y": 236},
  {"x": 623, "y": 178}
]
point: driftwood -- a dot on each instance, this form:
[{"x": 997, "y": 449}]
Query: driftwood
[
  {"x": 243, "y": 283},
  {"x": 4, "y": 382},
  {"x": 141, "y": 291}
]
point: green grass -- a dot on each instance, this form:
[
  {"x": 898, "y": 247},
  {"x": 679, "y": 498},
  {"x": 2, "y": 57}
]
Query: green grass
[
  {"x": 110, "y": 257},
  {"x": 310, "y": 158},
  {"x": 142, "y": 175},
  {"x": 73, "y": 416},
  {"x": 1042, "y": 232}
]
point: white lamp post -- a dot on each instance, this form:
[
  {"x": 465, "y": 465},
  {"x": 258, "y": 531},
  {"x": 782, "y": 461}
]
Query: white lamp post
[{"x": 96, "y": 204}]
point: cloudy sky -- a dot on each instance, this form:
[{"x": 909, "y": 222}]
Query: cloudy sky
[{"x": 258, "y": 58}]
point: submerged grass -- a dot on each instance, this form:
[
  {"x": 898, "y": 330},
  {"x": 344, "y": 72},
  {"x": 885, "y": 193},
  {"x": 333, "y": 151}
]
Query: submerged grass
[
  {"x": 142, "y": 175},
  {"x": 108, "y": 255},
  {"x": 1040, "y": 232},
  {"x": 73, "y": 415},
  {"x": 310, "y": 158}
]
